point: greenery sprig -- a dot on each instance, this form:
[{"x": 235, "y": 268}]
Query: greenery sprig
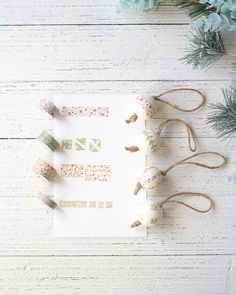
[
  {"x": 205, "y": 49},
  {"x": 193, "y": 8},
  {"x": 208, "y": 18},
  {"x": 222, "y": 117}
]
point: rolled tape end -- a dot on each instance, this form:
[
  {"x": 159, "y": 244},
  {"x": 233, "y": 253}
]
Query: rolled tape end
[
  {"x": 48, "y": 107},
  {"x": 43, "y": 169},
  {"x": 46, "y": 138},
  {"x": 47, "y": 200}
]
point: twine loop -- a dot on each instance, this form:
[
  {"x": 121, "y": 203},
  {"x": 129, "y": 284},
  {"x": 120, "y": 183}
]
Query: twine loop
[
  {"x": 174, "y": 106},
  {"x": 187, "y": 162},
  {"x": 134, "y": 117},
  {"x": 191, "y": 139},
  {"x": 170, "y": 199}
]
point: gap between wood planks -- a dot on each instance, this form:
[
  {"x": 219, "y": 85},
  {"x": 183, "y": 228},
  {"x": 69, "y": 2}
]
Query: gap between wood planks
[{"x": 119, "y": 255}]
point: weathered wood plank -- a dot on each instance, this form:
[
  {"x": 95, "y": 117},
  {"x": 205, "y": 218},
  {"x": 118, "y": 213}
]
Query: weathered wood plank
[
  {"x": 26, "y": 224},
  {"x": 102, "y": 53},
  {"x": 54, "y": 12},
  {"x": 123, "y": 275},
  {"x": 20, "y": 117}
]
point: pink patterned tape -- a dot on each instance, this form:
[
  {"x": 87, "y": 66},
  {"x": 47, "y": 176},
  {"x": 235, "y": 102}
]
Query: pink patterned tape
[
  {"x": 87, "y": 172},
  {"x": 48, "y": 107},
  {"x": 43, "y": 169},
  {"x": 85, "y": 111}
]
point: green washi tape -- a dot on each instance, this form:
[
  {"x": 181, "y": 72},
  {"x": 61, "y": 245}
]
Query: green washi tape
[{"x": 48, "y": 140}]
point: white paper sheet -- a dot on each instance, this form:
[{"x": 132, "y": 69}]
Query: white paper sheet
[{"x": 114, "y": 134}]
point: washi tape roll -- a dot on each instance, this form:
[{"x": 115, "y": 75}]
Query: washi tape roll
[
  {"x": 48, "y": 107},
  {"x": 46, "y": 138},
  {"x": 47, "y": 201},
  {"x": 44, "y": 170}
]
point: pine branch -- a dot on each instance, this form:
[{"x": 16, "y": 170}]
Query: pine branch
[
  {"x": 193, "y": 7},
  {"x": 205, "y": 49},
  {"x": 222, "y": 117}
]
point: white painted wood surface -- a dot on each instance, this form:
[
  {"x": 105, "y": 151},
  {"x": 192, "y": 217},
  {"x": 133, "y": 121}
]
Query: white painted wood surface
[{"x": 50, "y": 47}]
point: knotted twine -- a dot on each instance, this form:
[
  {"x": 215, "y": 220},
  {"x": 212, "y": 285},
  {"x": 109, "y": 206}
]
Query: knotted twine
[
  {"x": 134, "y": 117},
  {"x": 187, "y": 162}
]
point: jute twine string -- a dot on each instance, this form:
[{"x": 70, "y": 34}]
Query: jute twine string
[
  {"x": 191, "y": 140},
  {"x": 174, "y": 106},
  {"x": 170, "y": 199},
  {"x": 133, "y": 118},
  {"x": 187, "y": 162},
  {"x": 202, "y": 195}
]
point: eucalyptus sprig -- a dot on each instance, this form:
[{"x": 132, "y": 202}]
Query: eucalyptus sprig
[
  {"x": 222, "y": 117},
  {"x": 138, "y": 6},
  {"x": 205, "y": 49}
]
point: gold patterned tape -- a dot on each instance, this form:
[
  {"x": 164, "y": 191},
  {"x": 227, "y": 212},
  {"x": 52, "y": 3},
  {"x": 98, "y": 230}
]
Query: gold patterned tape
[
  {"x": 47, "y": 200},
  {"x": 85, "y": 204}
]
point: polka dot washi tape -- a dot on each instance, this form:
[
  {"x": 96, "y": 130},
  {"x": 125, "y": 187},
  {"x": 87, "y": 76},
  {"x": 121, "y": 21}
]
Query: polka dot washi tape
[
  {"x": 48, "y": 107},
  {"x": 46, "y": 138},
  {"x": 100, "y": 173},
  {"x": 44, "y": 170}
]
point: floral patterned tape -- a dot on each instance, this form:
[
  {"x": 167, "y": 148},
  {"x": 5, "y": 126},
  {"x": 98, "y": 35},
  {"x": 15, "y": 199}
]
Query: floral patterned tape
[
  {"x": 87, "y": 172},
  {"x": 47, "y": 201},
  {"x": 48, "y": 107},
  {"x": 48, "y": 140},
  {"x": 85, "y": 111},
  {"x": 43, "y": 169}
]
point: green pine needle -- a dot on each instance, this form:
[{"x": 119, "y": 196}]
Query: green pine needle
[
  {"x": 205, "y": 49},
  {"x": 222, "y": 117},
  {"x": 193, "y": 8}
]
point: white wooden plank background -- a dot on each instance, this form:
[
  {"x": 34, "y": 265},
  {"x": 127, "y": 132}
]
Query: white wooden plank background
[{"x": 71, "y": 46}]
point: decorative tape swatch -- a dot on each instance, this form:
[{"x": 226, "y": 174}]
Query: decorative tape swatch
[
  {"x": 66, "y": 144},
  {"x": 87, "y": 172},
  {"x": 86, "y": 204},
  {"x": 85, "y": 111},
  {"x": 82, "y": 144}
]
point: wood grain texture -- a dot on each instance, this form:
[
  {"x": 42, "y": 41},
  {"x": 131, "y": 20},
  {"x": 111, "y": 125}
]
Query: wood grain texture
[
  {"x": 54, "y": 12},
  {"x": 118, "y": 275},
  {"x": 102, "y": 53},
  {"x": 71, "y": 46}
]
